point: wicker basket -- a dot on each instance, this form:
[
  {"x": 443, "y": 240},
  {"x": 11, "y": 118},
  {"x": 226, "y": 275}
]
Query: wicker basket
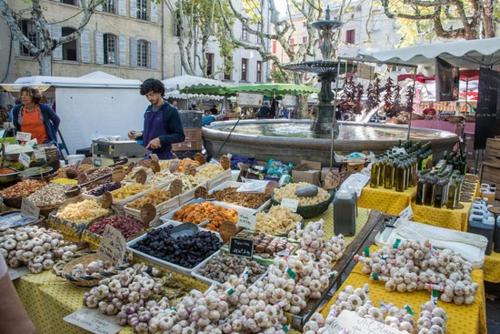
[
  {"x": 87, "y": 280},
  {"x": 311, "y": 210}
]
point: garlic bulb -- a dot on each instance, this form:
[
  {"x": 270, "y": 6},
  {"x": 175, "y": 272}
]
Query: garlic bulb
[
  {"x": 415, "y": 266},
  {"x": 432, "y": 319},
  {"x": 33, "y": 246}
]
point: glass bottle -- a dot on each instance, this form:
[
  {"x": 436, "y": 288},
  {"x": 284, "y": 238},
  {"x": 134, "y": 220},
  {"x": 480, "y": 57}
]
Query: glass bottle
[
  {"x": 399, "y": 176},
  {"x": 439, "y": 191},
  {"x": 428, "y": 188},
  {"x": 375, "y": 174},
  {"x": 388, "y": 173},
  {"x": 422, "y": 180}
]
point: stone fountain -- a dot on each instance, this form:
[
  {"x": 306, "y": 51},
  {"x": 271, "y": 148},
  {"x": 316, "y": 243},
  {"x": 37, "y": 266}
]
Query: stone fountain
[
  {"x": 295, "y": 140},
  {"x": 326, "y": 69}
]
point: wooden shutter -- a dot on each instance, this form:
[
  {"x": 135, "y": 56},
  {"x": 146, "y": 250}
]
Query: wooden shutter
[
  {"x": 155, "y": 12},
  {"x": 85, "y": 46},
  {"x": 133, "y": 8},
  {"x": 56, "y": 32},
  {"x": 99, "y": 47},
  {"x": 122, "y": 7},
  {"x": 122, "y": 49},
  {"x": 133, "y": 52},
  {"x": 155, "y": 64}
]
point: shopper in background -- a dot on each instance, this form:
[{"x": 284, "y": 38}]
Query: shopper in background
[
  {"x": 162, "y": 124},
  {"x": 13, "y": 316},
  {"x": 264, "y": 111},
  {"x": 33, "y": 117}
]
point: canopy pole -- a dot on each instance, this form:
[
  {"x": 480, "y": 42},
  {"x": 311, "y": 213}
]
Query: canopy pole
[
  {"x": 411, "y": 109},
  {"x": 334, "y": 112}
]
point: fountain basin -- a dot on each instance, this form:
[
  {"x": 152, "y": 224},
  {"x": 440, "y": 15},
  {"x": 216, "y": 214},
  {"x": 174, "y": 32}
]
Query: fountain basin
[{"x": 292, "y": 140}]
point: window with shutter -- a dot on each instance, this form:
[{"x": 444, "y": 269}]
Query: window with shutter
[
  {"x": 109, "y": 6},
  {"x": 99, "y": 50},
  {"x": 244, "y": 69},
  {"x": 142, "y": 10},
  {"x": 122, "y": 49},
  {"x": 109, "y": 47},
  {"x": 70, "y": 2},
  {"x": 122, "y": 7},
  {"x": 143, "y": 53},
  {"x": 55, "y": 33},
  {"x": 85, "y": 46},
  {"x": 259, "y": 71},
  {"x": 133, "y": 52},
  {"x": 29, "y": 30},
  {"x": 350, "y": 36},
  {"x": 69, "y": 50}
]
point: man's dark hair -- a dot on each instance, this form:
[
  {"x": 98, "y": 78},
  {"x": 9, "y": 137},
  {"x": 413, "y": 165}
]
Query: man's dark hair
[{"x": 152, "y": 85}]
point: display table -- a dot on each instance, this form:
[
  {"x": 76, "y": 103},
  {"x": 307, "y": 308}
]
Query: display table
[
  {"x": 388, "y": 201},
  {"x": 455, "y": 219},
  {"x": 466, "y": 319},
  {"x": 491, "y": 267},
  {"x": 48, "y": 298}
]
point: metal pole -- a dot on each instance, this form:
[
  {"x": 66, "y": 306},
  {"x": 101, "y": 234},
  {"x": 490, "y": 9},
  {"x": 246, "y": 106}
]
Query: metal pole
[
  {"x": 411, "y": 110},
  {"x": 335, "y": 111}
]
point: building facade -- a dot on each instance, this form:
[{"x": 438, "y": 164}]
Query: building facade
[
  {"x": 365, "y": 26},
  {"x": 133, "y": 39},
  {"x": 123, "y": 38},
  {"x": 247, "y": 64}
]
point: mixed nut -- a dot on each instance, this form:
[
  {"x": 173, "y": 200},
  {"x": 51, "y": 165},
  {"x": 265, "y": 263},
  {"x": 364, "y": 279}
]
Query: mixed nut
[
  {"x": 266, "y": 245},
  {"x": 23, "y": 188},
  {"x": 277, "y": 221},
  {"x": 82, "y": 212},
  {"x": 52, "y": 194},
  {"x": 231, "y": 195}
]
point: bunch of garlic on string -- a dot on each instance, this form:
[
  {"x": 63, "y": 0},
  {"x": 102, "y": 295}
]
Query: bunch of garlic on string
[
  {"x": 432, "y": 319},
  {"x": 415, "y": 266},
  {"x": 357, "y": 300},
  {"x": 33, "y": 246},
  {"x": 313, "y": 242},
  {"x": 135, "y": 295}
]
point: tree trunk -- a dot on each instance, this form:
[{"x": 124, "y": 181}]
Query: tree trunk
[
  {"x": 488, "y": 23},
  {"x": 45, "y": 64}
]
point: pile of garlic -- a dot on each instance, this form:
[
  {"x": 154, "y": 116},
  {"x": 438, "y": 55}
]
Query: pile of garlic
[
  {"x": 135, "y": 295},
  {"x": 432, "y": 319},
  {"x": 230, "y": 308},
  {"x": 414, "y": 266},
  {"x": 313, "y": 242},
  {"x": 357, "y": 300},
  {"x": 33, "y": 246}
]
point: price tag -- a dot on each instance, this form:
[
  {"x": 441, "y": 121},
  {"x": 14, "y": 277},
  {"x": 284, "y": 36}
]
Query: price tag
[
  {"x": 23, "y": 136},
  {"x": 113, "y": 245},
  {"x": 24, "y": 159},
  {"x": 241, "y": 247},
  {"x": 93, "y": 321},
  {"x": 29, "y": 209},
  {"x": 40, "y": 154},
  {"x": 15, "y": 273},
  {"x": 406, "y": 214},
  {"x": 290, "y": 203},
  {"x": 247, "y": 220}
]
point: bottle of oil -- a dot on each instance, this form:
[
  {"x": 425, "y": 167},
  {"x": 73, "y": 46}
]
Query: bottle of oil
[
  {"x": 422, "y": 180},
  {"x": 438, "y": 192},
  {"x": 428, "y": 188},
  {"x": 389, "y": 173},
  {"x": 375, "y": 174},
  {"x": 399, "y": 181},
  {"x": 453, "y": 188}
]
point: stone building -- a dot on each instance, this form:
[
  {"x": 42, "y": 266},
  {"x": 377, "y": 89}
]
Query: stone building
[{"x": 123, "y": 38}]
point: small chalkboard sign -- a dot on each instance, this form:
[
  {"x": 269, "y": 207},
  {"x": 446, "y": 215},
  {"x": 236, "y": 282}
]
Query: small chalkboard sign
[{"x": 241, "y": 247}]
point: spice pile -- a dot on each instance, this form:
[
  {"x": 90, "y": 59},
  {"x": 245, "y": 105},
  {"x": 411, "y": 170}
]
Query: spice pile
[
  {"x": 22, "y": 189},
  {"x": 82, "y": 212},
  {"x": 129, "y": 227},
  {"x": 230, "y": 195},
  {"x": 198, "y": 213}
]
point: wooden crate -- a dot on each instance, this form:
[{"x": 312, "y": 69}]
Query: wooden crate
[{"x": 193, "y": 141}]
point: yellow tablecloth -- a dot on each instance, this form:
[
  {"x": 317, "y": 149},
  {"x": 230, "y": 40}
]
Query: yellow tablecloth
[
  {"x": 455, "y": 219},
  {"x": 48, "y": 298},
  {"x": 387, "y": 201},
  {"x": 491, "y": 268},
  {"x": 462, "y": 319}
]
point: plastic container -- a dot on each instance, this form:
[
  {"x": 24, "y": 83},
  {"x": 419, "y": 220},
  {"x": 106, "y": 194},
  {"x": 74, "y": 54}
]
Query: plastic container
[
  {"x": 483, "y": 226},
  {"x": 497, "y": 236},
  {"x": 344, "y": 213}
]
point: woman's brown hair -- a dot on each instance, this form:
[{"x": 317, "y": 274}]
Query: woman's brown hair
[{"x": 33, "y": 93}]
